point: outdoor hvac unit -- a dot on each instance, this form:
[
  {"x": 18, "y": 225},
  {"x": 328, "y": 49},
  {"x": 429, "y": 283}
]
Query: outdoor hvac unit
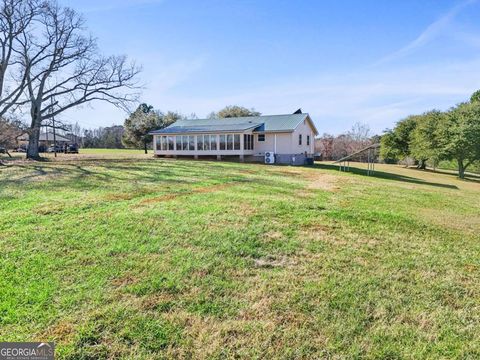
[{"x": 269, "y": 157}]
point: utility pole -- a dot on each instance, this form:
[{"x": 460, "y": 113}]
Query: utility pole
[{"x": 54, "y": 134}]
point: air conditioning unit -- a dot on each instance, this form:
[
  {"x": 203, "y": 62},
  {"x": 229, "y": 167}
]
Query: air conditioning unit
[{"x": 269, "y": 157}]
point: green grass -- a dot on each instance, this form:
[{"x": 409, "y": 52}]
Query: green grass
[{"x": 148, "y": 258}]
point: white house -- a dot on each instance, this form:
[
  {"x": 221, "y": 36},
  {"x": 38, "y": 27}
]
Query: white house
[{"x": 289, "y": 137}]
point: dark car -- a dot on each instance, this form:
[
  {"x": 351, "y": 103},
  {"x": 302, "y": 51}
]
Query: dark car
[
  {"x": 3, "y": 150},
  {"x": 72, "y": 149},
  {"x": 21, "y": 148}
]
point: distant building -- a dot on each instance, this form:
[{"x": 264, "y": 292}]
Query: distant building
[
  {"x": 290, "y": 137},
  {"x": 45, "y": 140}
]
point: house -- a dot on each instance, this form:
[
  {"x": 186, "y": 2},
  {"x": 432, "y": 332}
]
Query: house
[
  {"x": 290, "y": 137},
  {"x": 45, "y": 140}
]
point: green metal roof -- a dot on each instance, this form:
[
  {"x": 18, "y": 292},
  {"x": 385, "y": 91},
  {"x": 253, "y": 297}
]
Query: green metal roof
[{"x": 273, "y": 123}]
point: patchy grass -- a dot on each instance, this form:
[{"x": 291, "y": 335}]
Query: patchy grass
[{"x": 113, "y": 257}]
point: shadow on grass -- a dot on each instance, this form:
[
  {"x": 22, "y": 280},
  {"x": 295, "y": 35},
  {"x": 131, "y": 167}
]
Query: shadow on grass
[
  {"x": 387, "y": 176},
  {"x": 468, "y": 175}
]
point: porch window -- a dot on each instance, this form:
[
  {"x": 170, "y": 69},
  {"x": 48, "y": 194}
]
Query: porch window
[
  {"x": 191, "y": 142},
  {"x": 171, "y": 141},
  {"x": 229, "y": 142},
  {"x": 223, "y": 144},
  {"x": 236, "y": 142},
  {"x": 178, "y": 142},
  {"x": 184, "y": 142},
  {"x": 199, "y": 142},
  {"x": 158, "y": 142},
  {"x": 206, "y": 142}
]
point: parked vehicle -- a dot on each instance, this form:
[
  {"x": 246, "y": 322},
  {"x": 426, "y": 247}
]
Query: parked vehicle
[
  {"x": 3, "y": 150},
  {"x": 72, "y": 149},
  {"x": 21, "y": 148},
  {"x": 54, "y": 148}
]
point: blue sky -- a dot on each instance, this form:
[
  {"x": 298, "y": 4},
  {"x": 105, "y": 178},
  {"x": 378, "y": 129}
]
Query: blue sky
[{"x": 369, "y": 61}]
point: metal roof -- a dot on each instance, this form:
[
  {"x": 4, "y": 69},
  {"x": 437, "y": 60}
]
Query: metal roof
[
  {"x": 196, "y": 128},
  {"x": 44, "y": 137},
  {"x": 268, "y": 123}
]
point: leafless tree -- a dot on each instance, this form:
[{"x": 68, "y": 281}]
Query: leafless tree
[
  {"x": 9, "y": 133},
  {"x": 335, "y": 147},
  {"x": 359, "y": 136},
  {"x": 63, "y": 69},
  {"x": 324, "y": 146},
  {"x": 16, "y": 16}
]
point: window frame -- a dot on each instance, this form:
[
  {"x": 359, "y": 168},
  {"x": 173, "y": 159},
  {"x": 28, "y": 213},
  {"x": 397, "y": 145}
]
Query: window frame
[
  {"x": 299, "y": 139},
  {"x": 237, "y": 141},
  {"x": 213, "y": 142},
  {"x": 261, "y": 137},
  {"x": 223, "y": 142}
]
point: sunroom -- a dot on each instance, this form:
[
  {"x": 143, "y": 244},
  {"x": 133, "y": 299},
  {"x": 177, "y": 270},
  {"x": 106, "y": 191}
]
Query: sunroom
[{"x": 205, "y": 144}]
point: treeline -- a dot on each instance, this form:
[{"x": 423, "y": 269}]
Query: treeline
[
  {"x": 104, "y": 137},
  {"x": 436, "y": 136},
  {"x": 333, "y": 148}
]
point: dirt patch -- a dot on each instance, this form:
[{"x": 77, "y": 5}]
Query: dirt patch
[
  {"x": 157, "y": 301},
  {"x": 325, "y": 182},
  {"x": 269, "y": 262},
  {"x": 125, "y": 280},
  {"x": 273, "y": 235},
  {"x": 60, "y": 332}
]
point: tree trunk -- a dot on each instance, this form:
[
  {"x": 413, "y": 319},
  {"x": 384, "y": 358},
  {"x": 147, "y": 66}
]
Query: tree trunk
[
  {"x": 34, "y": 134},
  {"x": 422, "y": 164},
  {"x": 145, "y": 144},
  {"x": 461, "y": 169}
]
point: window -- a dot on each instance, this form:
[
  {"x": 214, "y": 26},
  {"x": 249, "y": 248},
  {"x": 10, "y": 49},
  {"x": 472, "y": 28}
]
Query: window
[
  {"x": 206, "y": 142},
  {"x": 300, "y": 139},
  {"x": 247, "y": 142},
  {"x": 308, "y": 139},
  {"x": 223, "y": 144},
  {"x": 164, "y": 143},
  {"x": 184, "y": 142},
  {"x": 191, "y": 142},
  {"x": 199, "y": 142},
  {"x": 229, "y": 142},
  {"x": 158, "y": 143},
  {"x": 178, "y": 142},
  {"x": 171, "y": 141},
  {"x": 213, "y": 142},
  {"x": 261, "y": 137},
  {"x": 236, "y": 142}
]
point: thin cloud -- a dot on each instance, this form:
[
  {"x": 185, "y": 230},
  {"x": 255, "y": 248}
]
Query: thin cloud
[{"x": 430, "y": 33}]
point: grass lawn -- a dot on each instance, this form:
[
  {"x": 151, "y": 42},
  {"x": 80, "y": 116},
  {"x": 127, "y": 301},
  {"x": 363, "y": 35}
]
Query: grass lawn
[{"x": 118, "y": 257}]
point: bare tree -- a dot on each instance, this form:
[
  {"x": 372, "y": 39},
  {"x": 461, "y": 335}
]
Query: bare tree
[
  {"x": 324, "y": 146},
  {"x": 63, "y": 69},
  {"x": 359, "y": 136},
  {"x": 16, "y": 16},
  {"x": 9, "y": 133}
]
